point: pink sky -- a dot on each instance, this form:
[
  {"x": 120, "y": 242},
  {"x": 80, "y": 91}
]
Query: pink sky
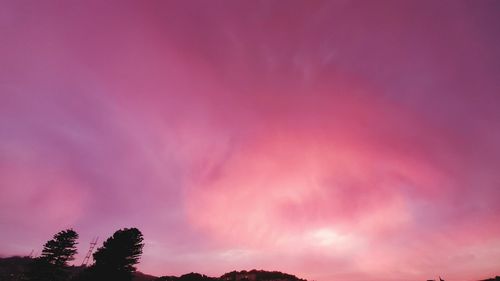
[{"x": 331, "y": 140}]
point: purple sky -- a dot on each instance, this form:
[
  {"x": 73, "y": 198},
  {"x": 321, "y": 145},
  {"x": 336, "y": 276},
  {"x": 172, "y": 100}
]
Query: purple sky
[{"x": 337, "y": 140}]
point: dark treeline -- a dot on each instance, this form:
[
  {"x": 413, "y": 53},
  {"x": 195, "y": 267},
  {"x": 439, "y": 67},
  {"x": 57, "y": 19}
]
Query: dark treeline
[
  {"x": 252, "y": 275},
  {"x": 497, "y": 278},
  {"x": 115, "y": 260}
]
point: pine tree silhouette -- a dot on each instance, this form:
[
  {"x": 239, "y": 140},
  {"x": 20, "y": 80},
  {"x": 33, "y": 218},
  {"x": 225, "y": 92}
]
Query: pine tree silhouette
[
  {"x": 52, "y": 264},
  {"x": 116, "y": 259},
  {"x": 61, "y": 249}
]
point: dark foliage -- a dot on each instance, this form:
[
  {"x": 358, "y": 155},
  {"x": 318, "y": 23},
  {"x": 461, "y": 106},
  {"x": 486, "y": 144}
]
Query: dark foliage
[
  {"x": 52, "y": 265},
  {"x": 252, "y": 275},
  {"x": 117, "y": 258},
  {"x": 42, "y": 270},
  {"x": 17, "y": 269},
  {"x": 497, "y": 278},
  {"x": 61, "y": 249},
  {"x": 188, "y": 277},
  {"x": 14, "y": 268},
  {"x": 258, "y": 275}
]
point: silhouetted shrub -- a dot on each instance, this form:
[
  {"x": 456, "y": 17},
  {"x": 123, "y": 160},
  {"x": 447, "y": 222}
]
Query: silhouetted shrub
[
  {"x": 117, "y": 258},
  {"x": 52, "y": 265}
]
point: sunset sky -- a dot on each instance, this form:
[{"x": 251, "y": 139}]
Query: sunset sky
[{"x": 337, "y": 140}]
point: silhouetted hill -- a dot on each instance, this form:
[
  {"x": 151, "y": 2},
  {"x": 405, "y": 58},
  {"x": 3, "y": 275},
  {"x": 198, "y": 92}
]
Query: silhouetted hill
[
  {"x": 259, "y": 275},
  {"x": 16, "y": 268},
  {"x": 188, "y": 277},
  {"x": 497, "y": 278},
  {"x": 139, "y": 276},
  {"x": 252, "y": 275}
]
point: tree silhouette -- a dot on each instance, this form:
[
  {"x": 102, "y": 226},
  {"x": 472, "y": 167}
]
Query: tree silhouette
[
  {"x": 61, "y": 249},
  {"x": 56, "y": 254},
  {"x": 116, "y": 259}
]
